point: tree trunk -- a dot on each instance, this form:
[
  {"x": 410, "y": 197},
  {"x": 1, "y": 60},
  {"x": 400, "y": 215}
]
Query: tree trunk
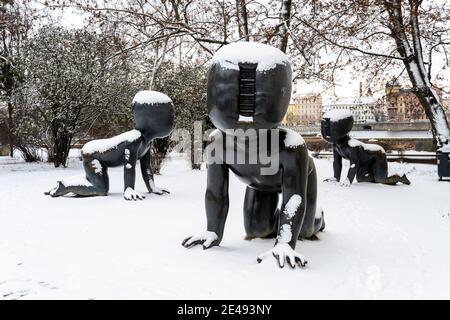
[
  {"x": 242, "y": 19},
  {"x": 10, "y": 129},
  {"x": 415, "y": 66},
  {"x": 61, "y": 147},
  {"x": 431, "y": 104},
  {"x": 157, "y": 159},
  {"x": 285, "y": 16}
]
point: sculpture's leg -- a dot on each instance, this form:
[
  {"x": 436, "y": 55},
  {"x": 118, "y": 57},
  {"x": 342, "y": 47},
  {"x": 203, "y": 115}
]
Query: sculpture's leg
[
  {"x": 380, "y": 172},
  {"x": 365, "y": 173},
  {"x": 96, "y": 182},
  {"x": 97, "y": 175},
  {"x": 314, "y": 220},
  {"x": 260, "y": 214}
]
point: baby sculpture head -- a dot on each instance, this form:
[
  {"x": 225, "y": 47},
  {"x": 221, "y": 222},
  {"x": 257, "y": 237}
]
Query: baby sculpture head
[
  {"x": 336, "y": 125},
  {"x": 153, "y": 114},
  {"x": 249, "y": 86}
]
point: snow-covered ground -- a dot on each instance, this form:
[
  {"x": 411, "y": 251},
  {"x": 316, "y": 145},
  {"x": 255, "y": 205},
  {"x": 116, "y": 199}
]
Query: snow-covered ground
[{"x": 380, "y": 241}]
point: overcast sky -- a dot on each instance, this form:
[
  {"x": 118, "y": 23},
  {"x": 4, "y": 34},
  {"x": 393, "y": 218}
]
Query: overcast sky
[{"x": 348, "y": 84}]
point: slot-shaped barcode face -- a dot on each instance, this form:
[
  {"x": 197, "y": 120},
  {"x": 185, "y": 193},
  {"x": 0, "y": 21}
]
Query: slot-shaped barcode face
[{"x": 247, "y": 78}]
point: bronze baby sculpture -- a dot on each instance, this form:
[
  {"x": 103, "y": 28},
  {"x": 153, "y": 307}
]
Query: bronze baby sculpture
[
  {"x": 249, "y": 89},
  {"x": 153, "y": 117},
  {"x": 367, "y": 161}
]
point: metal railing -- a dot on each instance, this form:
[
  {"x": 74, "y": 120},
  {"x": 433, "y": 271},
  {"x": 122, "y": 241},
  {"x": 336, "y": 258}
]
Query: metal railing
[{"x": 391, "y": 157}]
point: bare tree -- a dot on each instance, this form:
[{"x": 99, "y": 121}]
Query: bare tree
[
  {"x": 377, "y": 37},
  {"x": 69, "y": 85},
  {"x": 285, "y": 16},
  {"x": 15, "y": 24},
  {"x": 242, "y": 19}
]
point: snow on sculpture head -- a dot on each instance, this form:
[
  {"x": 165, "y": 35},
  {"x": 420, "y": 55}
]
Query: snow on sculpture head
[
  {"x": 249, "y": 86},
  {"x": 336, "y": 125},
  {"x": 153, "y": 113}
]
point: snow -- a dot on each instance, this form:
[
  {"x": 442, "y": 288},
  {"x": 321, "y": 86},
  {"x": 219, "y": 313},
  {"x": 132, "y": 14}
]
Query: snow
[
  {"x": 97, "y": 166},
  {"x": 292, "y": 205},
  {"x": 267, "y": 57},
  {"x": 380, "y": 242},
  {"x": 366, "y": 146},
  {"x": 293, "y": 139},
  {"x": 351, "y": 101},
  {"x": 337, "y": 114},
  {"x": 245, "y": 119},
  {"x": 285, "y": 234},
  {"x": 103, "y": 145},
  {"x": 151, "y": 97},
  {"x": 445, "y": 148},
  {"x": 76, "y": 180},
  {"x": 370, "y": 134}
]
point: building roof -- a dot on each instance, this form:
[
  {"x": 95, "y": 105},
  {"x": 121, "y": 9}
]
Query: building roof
[
  {"x": 308, "y": 94},
  {"x": 393, "y": 83},
  {"x": 353, "y": 101}
]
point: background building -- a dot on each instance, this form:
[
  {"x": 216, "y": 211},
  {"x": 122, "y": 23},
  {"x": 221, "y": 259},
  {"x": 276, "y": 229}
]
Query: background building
[
  {"x": 305, "y": 109},
  {"x": 446, "y": 104},
  {"x": 402, "y": 104},
  {"x": 310, "y": 108},
  {"x": 292, "y": 115},
  {"x": 364, "y": 109}
]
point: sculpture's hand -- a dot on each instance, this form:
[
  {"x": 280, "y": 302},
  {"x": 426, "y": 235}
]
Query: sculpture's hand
[
  {"x": 131, "y": 194},
  {"x": 208, "y": 239},
  {"x": 159, "y": 191},
  {"x": 332, "y": 179},
  {"x": 345, "y": 183},
  {"x": 283, "y": 253}
]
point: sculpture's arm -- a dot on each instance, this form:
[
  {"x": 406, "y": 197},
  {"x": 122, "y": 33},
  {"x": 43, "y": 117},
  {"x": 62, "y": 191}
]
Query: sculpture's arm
[
  {"x": 216, "y": 204},
  {"x": 147, "y": 174},
  {"x": 354, "y": 164},
  {"x": 216, "y": 198},
  {"x": 294, "y": 164},
  {"x": 293, "y": 188},
  {"x": 130, "y": 175},
  {"x": 337, "y": 164}
]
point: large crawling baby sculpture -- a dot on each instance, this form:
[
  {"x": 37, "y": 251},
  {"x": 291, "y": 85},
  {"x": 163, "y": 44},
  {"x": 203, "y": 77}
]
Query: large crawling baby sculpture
[
  {"x": 153, "y": 116},
  {"x": 249, "y": 89},
  {"x": 367, "y": 161}
]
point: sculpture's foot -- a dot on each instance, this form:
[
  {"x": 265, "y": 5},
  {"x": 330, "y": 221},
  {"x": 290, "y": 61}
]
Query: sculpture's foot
[
  {"x": 57, "y": 191},
  {"x": 319, "y": 221},
  {"x": 160, "y": 191},
  {"x": 323, "y": 226},
  {"x": 313, "y": 238},
  {"x": 405, "y": 180},
  {"x": 345, "y": 183},
  {"x": 248, "y": 238}
]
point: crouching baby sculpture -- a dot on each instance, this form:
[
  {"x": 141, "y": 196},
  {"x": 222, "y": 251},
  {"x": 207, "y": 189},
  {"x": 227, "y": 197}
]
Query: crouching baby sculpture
[
  {"x": 367, "y": 161},
  {"x": 249, "y": 89},
  {"x": 153, "y": 117}
]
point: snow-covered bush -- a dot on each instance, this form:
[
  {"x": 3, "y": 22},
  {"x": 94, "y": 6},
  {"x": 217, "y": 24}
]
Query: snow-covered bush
[
  {"x": 76, "y": 87},
  {"x": 186, "y": 85}
]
